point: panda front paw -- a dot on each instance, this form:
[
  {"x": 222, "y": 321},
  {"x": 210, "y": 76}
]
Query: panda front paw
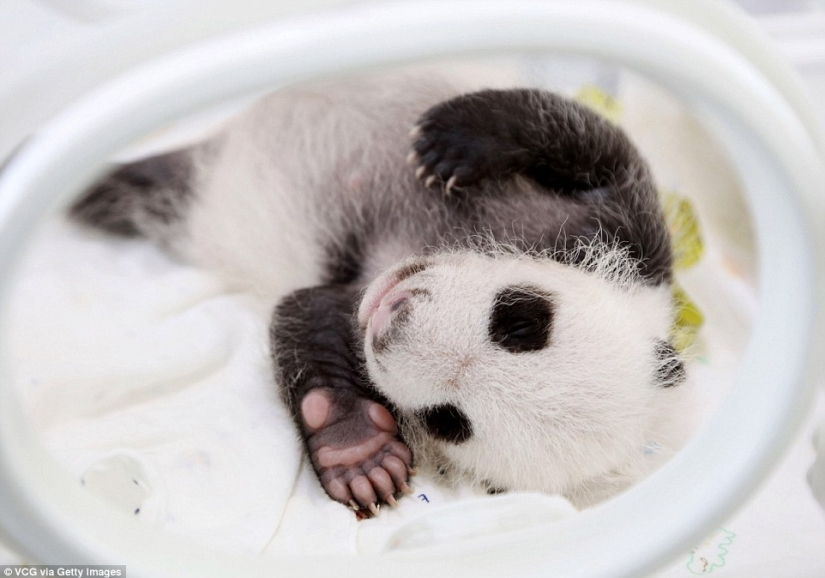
[
  {"x": 443, "y": 158},
  {"x": 356, "y": 453},
  {"x": 462, "y": 141}
]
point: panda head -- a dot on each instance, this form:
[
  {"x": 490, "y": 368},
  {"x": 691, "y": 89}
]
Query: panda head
[{"x": 526, "y": 373}]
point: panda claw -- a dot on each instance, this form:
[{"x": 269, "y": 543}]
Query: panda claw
[
  {"x": 454, "y": 144},
  {"x": 412, "y": 158},
  {"x": 430, "y": 181},
  {"x": 420, "y": 172},
  {"x": 354, "y": 505},
  {"x": 448, "y": 188},
  {"x": 391, "y": 501},
  {"x": 374, "y": 508}
]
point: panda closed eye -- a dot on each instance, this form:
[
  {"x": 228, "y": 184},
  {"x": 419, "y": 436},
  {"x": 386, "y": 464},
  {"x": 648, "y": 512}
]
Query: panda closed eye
[{"x": 521, "y": 320}]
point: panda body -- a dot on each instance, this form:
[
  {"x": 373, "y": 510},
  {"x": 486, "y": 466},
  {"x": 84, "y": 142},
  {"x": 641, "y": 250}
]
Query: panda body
[{"x": 487, "y": 297}]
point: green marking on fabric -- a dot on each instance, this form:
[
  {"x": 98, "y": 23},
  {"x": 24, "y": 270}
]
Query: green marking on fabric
[{"x": 711, "y": 554}]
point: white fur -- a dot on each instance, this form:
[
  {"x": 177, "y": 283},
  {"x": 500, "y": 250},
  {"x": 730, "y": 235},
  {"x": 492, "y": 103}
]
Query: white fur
[
  {"x": 287, "y": 170},
  {"x": 573, "y": 418}
]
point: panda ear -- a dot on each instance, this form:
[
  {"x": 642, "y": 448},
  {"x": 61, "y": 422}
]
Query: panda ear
[{"x": 670, "y": 370}]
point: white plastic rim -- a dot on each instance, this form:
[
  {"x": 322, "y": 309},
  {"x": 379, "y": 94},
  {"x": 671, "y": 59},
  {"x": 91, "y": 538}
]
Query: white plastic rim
[{"x": 48, "y": 517}]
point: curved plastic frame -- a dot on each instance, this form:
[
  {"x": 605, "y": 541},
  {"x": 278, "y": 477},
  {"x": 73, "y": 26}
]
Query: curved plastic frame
[{"x": 51, "y": 519}]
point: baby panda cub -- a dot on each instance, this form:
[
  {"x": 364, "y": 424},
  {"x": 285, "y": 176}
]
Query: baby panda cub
[{"x": 486, "y": 296}]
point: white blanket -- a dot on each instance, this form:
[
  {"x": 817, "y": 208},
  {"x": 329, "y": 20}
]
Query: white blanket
[{"x": 153, "y": 386}]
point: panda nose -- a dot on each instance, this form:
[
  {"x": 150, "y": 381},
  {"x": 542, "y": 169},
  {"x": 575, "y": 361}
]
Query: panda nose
[{"x": 389, "y": 307}]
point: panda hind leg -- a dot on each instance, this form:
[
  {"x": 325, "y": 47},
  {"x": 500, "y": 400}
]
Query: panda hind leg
[{"x": 147, "y": 198}]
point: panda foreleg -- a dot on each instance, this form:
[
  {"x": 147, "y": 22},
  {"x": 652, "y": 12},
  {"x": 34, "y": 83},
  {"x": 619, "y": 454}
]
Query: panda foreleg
[
  {"x": 605, "y": 189},
  {"x": 498, "y": 133},
  {"x": 350, "y": 436}
]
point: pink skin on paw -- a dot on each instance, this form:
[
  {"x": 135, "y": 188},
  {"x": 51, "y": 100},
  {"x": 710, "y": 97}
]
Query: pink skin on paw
[
  {"x": 382, "y": 418},
  {"x": 396, "y": 468},
  {"x": 315, "y": 409},
  {"x": 329, "y": 457},
  {"x": 339, "y": 490},
  {"x": 381, "y": 481},
  {"x": 363, "y": 491},
  {"x": 359, "y": 473}
]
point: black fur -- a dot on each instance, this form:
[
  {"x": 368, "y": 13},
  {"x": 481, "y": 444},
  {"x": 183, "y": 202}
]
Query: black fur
[
  {"x": 447, "y": 422},
  {"x": 344, "y": 265},
  {"x": 604, "y": 187},
  {"x": 413, "y": 268},
  {"x": 521, "y": 320},
  {"x": 147, "y": 193},
  {"x": 314, "y": 346}
]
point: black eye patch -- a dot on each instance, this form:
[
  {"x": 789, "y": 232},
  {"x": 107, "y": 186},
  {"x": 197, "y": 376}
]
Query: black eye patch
[
  {"x": 521, "y": 320},
  {"x": 447, "y": 422}
]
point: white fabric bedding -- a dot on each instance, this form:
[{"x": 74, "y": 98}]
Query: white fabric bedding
[{"x": 151, "y": 383}]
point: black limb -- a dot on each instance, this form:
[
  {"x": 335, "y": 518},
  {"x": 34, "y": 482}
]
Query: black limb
[
  {"x": 139, "y": 198},
  {"x": 564, "y": 147},
  {"x": 349, "y": 434}
]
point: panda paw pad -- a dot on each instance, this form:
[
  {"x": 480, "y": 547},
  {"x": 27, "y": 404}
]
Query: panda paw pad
[{"x": 356, "y": 453}]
